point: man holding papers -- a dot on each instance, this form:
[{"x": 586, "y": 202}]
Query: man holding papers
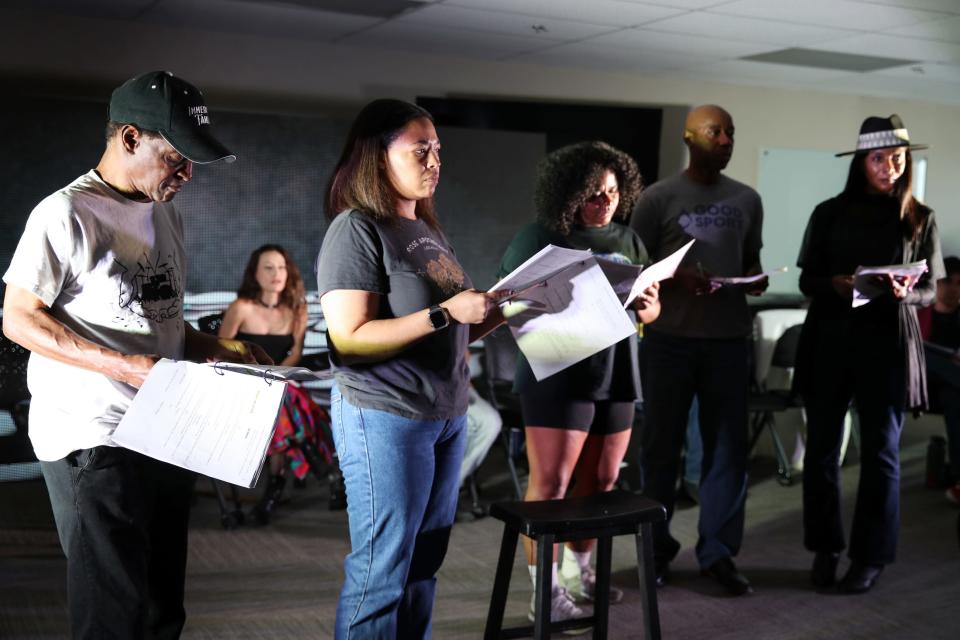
[
  {"x": 698, "y": 347},
  {"x": 95, "y": 291},
  {"x": 578, "y": 419}
]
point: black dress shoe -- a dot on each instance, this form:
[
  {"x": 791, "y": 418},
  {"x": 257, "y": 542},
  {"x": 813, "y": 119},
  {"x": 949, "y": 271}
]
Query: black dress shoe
[
  {"x": 725, "y": 572},
  {"x": 860, "y": 578},
  {"x": 823, "y": 574}
]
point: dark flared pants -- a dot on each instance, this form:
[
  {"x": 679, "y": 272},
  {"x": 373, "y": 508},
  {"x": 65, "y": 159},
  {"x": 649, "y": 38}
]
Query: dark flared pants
[{"x": 871, "y": 375}]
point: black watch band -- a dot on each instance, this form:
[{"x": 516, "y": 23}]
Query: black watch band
[{"x": 438, "y": 317}]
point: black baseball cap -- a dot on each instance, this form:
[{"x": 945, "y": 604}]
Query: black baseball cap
[{"x": 159, "y": 101}]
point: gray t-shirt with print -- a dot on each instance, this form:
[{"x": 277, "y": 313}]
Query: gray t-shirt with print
[
  {"x": 726, "y": 219},
  {"x": 411, "y": 266}
]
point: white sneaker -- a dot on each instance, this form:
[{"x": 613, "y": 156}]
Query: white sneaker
[
  {"x": 581, "y": 584},
  {"x": 562, "y": 608},
  {"x": 588, "y": 587}
]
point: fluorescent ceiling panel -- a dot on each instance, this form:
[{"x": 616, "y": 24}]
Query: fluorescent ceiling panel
[{"x": 828, "y": 60}]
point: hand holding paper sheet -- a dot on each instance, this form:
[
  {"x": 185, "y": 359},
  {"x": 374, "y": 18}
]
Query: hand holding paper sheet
[
  {"x": 865, "y": 284},
  {"x": 201, "y": 418},
  {"x": 718, "y": 282}
]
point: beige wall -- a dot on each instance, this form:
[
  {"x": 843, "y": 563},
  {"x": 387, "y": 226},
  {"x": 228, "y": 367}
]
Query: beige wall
[{"x": 61, "y": 54}]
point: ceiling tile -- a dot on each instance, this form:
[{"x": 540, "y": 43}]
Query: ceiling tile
[
  {"x": 828, "y": 13},
  {"x": 738, "y": 71},
  {"x": 407, "y": 36},
  {"x": 557, "y": 29},
  {"x": 947, "y": 6},
  {"x": 895, "y": 47},
  {"x": 697, "y": 45},
  {"x": 238, "y": 16},
  {"x": 607, "y": 12},
  {"x": 609, "y": 59},
  {"x": 947, "y": 30},
  {"x": 747, "y": 29},
  {"x": 915, "y": 72}
]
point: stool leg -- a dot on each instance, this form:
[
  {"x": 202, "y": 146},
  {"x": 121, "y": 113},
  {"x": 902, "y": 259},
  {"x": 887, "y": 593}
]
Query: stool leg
[
  {"x": 601, "y": 595},
  {"x": 648, "y": 582},
  {"x": 544, "y": 589},
  {"x": 501, "y": 584}
]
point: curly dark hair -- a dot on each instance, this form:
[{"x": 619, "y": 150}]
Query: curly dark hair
[{"x": 568, "y": 177}]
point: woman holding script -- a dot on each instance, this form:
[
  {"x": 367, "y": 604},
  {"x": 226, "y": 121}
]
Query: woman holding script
[
  {"x": 578, "y": 421},
  {"x": 400, "y": 312},
  {"x": 871, "y": 354}
]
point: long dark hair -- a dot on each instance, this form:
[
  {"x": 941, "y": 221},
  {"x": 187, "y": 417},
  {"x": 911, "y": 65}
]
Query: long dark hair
[
  {"x": 293, "y": 292},
  {"x": 360, "y": 179},
  {"x": 912, "y": 213},
  {"x": 567, "y": 178}
]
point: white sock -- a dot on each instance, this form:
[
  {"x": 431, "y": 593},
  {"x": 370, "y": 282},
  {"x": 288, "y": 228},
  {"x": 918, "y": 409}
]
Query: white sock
[
  {"x": 582, "y": 558},
  {"x": 532, "y": 568}
]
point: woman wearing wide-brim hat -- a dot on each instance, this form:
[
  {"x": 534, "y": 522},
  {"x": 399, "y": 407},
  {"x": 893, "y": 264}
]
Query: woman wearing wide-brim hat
[{"x": 872, "y": 354}]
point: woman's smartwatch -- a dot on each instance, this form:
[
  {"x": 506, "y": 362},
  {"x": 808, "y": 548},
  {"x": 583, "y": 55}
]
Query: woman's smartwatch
[{"x": 438, "y": 317}]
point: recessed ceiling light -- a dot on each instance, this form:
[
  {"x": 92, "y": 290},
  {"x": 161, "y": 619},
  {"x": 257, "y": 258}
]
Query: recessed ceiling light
[{"x": 828, "y": 60}]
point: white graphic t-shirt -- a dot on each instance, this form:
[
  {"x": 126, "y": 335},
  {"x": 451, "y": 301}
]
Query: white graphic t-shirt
[{"x": 113, "y": 271}]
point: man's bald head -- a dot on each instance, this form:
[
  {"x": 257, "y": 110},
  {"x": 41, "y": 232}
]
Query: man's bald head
[{"x": 708, "y": 133}]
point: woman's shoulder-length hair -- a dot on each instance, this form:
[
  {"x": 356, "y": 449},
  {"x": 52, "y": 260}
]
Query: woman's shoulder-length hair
[
  {"x": 568, "y": 177},
  {"x": 360, "y": 179},
  {"x": 293, "y": 294}
]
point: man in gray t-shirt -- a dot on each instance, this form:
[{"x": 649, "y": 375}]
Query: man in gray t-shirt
[{"x": 698, "y": 346}]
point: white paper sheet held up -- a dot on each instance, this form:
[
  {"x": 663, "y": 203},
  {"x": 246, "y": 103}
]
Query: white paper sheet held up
[
  {"x": 717, "y": 282},
  {"x": 201, "y": 418},
  {"x": 662, "y": 270},
  {"x": 569, "y": 315},
  {"x": 865, "y": 288},
  {"x": 547, "y": 262}
]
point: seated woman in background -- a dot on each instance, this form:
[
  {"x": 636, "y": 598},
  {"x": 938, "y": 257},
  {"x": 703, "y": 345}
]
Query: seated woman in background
[{"x": 271, "y": 311}]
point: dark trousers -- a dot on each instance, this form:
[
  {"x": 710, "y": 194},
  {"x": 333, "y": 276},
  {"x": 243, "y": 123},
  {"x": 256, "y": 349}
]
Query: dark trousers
[
  {"x": 673, "y": 370},
  {"x": 122, "y": 520},
  {"x": 872, "y": 375}
]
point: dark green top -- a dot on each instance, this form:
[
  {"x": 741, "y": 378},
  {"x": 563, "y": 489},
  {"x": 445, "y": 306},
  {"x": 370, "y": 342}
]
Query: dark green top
[{"x": 612, "y": 374}]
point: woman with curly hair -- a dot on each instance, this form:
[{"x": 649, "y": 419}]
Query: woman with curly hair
[{"x": 578, "y": 421}]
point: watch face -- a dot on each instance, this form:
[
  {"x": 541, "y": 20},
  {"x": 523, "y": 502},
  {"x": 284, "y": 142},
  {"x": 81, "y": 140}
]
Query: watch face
[{"x": 438, "y": 318}]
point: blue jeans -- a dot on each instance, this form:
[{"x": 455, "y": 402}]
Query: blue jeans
[
  {"x": 402, "y": 481},
  {"x": 674, "y": 370}
]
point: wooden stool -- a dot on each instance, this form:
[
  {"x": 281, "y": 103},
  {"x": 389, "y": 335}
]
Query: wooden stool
[{"x": 600, "y": 516}]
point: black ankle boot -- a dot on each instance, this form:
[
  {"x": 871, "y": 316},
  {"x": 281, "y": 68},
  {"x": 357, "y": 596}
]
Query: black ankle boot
[
  {"x": 823, "y": 574},
  {"x": 270, "y": 499}
]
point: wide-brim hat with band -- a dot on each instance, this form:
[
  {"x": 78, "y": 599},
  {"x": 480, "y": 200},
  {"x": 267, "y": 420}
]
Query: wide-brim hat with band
[
  {"x": 882, "y": 133},
  {"x": 159, "y": 101}
]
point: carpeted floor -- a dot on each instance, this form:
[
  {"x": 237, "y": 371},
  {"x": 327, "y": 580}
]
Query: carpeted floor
[{"x": 281, "y": 581}]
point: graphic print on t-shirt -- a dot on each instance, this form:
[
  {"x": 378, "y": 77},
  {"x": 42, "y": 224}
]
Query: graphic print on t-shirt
[
  {"x": 152, "y": 288},
  {"x": 619, "y": 258},
  {"x": 711, "y": 222},
  {"x": 442, "y": 269}
]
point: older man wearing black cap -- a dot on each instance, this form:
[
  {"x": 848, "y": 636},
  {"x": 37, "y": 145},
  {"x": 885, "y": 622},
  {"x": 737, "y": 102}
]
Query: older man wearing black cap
[{"x": 95, "y": 292}]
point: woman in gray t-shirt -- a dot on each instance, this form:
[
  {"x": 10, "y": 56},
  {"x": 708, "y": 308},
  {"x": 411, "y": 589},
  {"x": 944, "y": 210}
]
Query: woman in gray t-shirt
[{"x": 400, "y": 312}]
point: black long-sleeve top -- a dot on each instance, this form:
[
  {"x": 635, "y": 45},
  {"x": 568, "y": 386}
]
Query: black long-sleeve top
[{"x": 867, "y": 230}]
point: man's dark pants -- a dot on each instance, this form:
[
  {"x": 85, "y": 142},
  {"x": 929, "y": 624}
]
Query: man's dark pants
[
  {"x": 122, "y": 519},
  {"x": 673, "y": 370}
]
